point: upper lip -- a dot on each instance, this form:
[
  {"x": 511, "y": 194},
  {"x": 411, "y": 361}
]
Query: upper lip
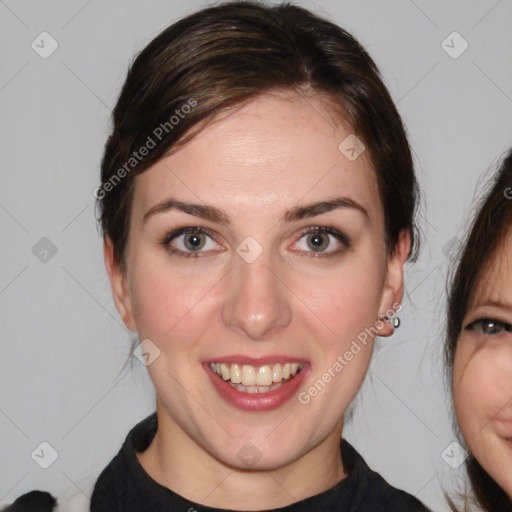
[{"x": 258, "y": 361}]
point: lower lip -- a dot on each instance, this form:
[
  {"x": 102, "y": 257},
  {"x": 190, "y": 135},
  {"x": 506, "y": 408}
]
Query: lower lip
[{"x": 257, "y": 401}]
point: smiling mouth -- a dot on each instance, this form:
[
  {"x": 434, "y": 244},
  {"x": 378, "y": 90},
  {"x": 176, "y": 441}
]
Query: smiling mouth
[{"x": 256, "y": 379}]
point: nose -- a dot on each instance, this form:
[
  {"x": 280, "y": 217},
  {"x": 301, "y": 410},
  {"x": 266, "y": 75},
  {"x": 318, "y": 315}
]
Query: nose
[{"x": 257, "y": 302}]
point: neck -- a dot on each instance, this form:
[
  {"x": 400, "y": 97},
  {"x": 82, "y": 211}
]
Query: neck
[{"x": 177, "y": 462}]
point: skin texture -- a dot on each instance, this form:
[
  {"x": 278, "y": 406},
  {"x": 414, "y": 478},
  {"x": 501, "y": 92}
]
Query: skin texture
[
  {"x": 482, "y": 374},
  {"x": 276, "y": 153}
]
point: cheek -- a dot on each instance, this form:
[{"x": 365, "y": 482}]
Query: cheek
[
  {"x": 482, "y": 384},
  {"x": 168, "y": 302},
  {"x": 346, "y": 299}
]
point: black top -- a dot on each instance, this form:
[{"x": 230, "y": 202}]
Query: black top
[{"x": 125, "y": 486}]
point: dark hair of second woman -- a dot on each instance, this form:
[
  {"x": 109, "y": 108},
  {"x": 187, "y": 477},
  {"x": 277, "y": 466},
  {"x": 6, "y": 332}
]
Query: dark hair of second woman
[{"x": 488, "y": 230}]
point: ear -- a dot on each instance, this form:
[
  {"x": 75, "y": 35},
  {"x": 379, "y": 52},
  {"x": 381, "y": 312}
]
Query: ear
[
  {"x": 118, "y": 282},
  {"x": 394, "y": 283}
]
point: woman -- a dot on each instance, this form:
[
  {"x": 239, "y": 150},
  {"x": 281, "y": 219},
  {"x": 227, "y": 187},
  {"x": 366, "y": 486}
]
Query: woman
[
  {"x": 479, "y": 345},
  {"x": 257, "y": 206}
]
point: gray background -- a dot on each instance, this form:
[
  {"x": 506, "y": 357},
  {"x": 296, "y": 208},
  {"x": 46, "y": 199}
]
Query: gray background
[{"x": 63, "y": 345}]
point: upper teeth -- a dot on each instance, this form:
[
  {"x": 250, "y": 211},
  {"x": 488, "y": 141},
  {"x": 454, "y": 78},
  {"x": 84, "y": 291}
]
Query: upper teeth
[{"x": 253, "y": 375}]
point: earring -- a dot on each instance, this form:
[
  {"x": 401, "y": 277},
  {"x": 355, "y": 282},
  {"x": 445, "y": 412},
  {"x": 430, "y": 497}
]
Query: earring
[{"x": 394, "y": 320}]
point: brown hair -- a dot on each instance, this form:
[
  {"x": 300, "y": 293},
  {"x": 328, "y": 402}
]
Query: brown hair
[
  {"x": 487, "y": 232},
  {"x": 223, "y": 57}
]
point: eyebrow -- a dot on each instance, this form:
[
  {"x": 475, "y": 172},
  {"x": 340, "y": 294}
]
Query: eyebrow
[
  {"x": 498, "y": 304},
  {"x": 220, "y": 216}
]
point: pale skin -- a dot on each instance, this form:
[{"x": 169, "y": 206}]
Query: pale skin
[
  {"x": 277, "y": 153},
  {"x": 482, "y": 374}
]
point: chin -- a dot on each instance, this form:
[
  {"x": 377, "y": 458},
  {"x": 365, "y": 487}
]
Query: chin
[{"x": 258, "y": 453}]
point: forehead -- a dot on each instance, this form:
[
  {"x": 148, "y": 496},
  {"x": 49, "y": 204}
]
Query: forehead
[
  {"x": 271, "y": 153},
  {"x": 495, "y": 283}
]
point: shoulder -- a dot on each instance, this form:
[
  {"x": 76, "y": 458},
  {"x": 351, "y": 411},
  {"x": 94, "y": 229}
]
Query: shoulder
[
  {"x": 376, "y": 494},
  {"x": 120, "y": 479},
  {"x": 393, "y": 500},
  {"x": 110, "y": 481}
]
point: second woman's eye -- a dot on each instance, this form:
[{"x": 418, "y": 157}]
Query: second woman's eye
[
  {"x": 489, "y": 326},
  {"x": 320, "y": 239}
]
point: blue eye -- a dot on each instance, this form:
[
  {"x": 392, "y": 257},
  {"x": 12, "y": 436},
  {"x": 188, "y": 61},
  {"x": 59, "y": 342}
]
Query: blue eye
[{"x": 489, "y": 326}]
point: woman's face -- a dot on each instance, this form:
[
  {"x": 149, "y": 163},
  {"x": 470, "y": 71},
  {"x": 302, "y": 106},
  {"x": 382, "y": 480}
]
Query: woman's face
[
  {"x": 482, "y": 375},
  {"x": 259, "y": 247}
]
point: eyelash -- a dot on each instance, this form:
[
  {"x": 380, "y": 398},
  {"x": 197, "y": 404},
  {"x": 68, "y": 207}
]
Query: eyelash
[
  {"x": 483, "y": 321},
  {"x": 166, "y": 240}
]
